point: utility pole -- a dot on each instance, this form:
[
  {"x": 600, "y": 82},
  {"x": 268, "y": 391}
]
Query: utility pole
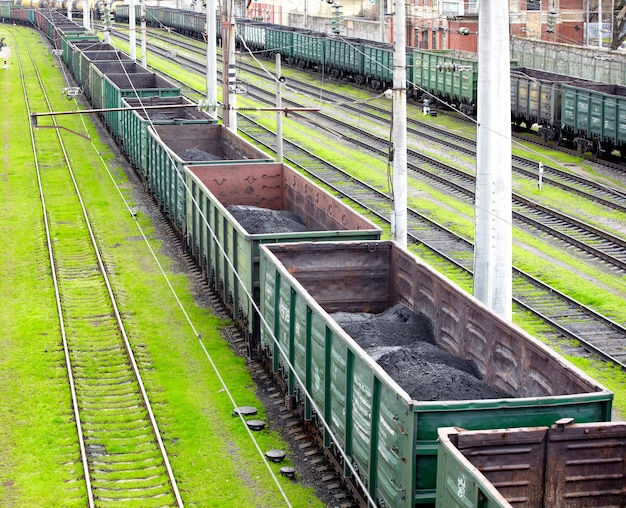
[
  {"x": 599, "y": 23},
  {"x": 279, "y": 113},
  {"x": 211, "y": 58},
  {"x": 587, "y": 23},
  {"x": 493, "y": 235},
  {"x": 132, "y": 31},
  {"x": 399, "y": 181},
  {"x": 229, "y": 117},
  {"x": 108, "y": 21},
  {"x": 144, "y": 35},
  {"x": 86, "y": 16},
  {"x": 382, "y": 20}
]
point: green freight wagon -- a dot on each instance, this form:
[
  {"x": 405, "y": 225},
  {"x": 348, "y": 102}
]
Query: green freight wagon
[
  {"x": 444, "y": 75},
  {"x": 116, "y": 87},
  {"x": 154, "y": 111},
  {"x": 308, "y": 49},
  {"x": 98, "y": 71},
  {"x": 84, "y": 58},
  {"x": 371, "y": 422},
  {"x": 279, "y": 40},
  {"x": 593, "y": 116},
  {"x": 71, "y": 44},
  {"x": 536, "y": 98},
  {"x": 72, "y": 56},
  {"x": 343, "y": 57},
  {"x": 378, "y": 65},
  {"x": 253, "y": 34}
]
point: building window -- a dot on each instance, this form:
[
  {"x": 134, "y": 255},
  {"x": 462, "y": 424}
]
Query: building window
[{"x": 533, "y": 5}]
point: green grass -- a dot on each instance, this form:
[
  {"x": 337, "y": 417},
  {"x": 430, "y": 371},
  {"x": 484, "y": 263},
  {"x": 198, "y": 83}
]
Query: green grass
[{"x": 213, "y": 457}]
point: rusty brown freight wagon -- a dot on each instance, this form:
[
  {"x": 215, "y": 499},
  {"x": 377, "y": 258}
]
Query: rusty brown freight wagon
[
  {"x": 228, "y": 249},
  {"x": 566, "y": 465}
]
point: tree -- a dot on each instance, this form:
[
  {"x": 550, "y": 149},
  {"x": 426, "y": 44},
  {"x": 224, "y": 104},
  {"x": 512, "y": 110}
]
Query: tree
[{"x": 619, "y": 24}]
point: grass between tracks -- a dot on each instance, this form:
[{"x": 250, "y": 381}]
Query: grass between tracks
[{"x": 215, "y": 461}]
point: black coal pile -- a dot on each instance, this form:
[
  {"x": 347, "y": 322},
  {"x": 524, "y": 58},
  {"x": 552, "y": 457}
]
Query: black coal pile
[
  {"x": 195, "y": 154},
  {"x": 402, "y": 343},
  {"x": 161, "y": 116},
  {"x": 256, "y": 220}
]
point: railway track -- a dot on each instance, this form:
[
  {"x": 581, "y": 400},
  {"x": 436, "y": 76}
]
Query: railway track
[
  {"x": 567, "y": 318},
  {"x": 589, "y": 239},
  {"x": 425, "y": 130},
  {"x": 122, "y": 455}
]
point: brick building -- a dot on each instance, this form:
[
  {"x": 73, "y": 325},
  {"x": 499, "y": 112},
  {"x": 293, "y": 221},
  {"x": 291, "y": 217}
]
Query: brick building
[{"x": 444, "y": 24}]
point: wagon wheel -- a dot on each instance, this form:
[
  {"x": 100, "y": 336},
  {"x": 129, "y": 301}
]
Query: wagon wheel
[
  {"x": 558, "y": 136},
  {"x": 596, "y": 149}
]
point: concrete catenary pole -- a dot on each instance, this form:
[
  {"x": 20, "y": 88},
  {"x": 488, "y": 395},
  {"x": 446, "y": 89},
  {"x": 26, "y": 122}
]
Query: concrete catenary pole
[
  {"x": 279, "y": 113},
  {"x": 399, "y": 136},
  {"x": 599, "y": 23},
  {"x": 493, "y": 241},
  {"x": 211, "y": 58},
  {"x": 144, "y": 35},
  {"x": 229, "y": 117},
  {"x": 86, "y": 16},
  {"x": 381, "y": 14},
  {"x": 107, "y": 22},
  {"x": 132, "y": 31}
]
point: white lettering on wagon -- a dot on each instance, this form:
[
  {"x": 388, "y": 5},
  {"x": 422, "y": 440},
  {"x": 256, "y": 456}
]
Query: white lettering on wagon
[
  {"x": 283, "y": 311},
  {"x": 461, "y": 482}
]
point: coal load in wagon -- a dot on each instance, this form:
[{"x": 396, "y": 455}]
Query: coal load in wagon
[
  {"x": 402, "y": 343},
  {"x": 257, "y": 220},
  {"x": 195, "y": 154}
]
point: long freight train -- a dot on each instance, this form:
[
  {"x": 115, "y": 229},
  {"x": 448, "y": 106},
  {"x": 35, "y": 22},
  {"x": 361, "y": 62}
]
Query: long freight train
[
  {"x": 588, "y": 115},
  {"x": 287, "y": 290}
]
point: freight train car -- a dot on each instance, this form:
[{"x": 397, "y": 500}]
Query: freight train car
[
  {"x": 229, "y": 249},
  {"x": 566, "y": 465},
  {"x": 173, "y": 147},
  {"x": 381, "y": 434},
  {"x": 586, "y": 114},
  {"x": 594, "y": 117},
  {"x": 153, "y": 111},
  {"x": 370, "y": 422},
  {"x": 443, "y": 76}
]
